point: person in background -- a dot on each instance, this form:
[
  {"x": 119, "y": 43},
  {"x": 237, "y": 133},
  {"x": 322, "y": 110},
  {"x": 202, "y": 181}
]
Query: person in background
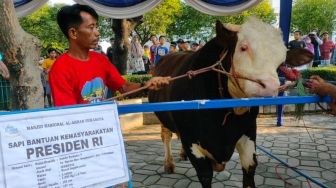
[
  {"x": 309, "y": 46},
  {"x": 194, "y": 46},
  {"x": 136, "y": 62},
  {"x": 161, "y": 50},
  {"x": 333, "y": 55},
  {"x": 4, "y": 72},
  {"x": 43, "y": 81},
  {"x": 326, "y": 49},
  {"x": 152, "y": 49},
  {"x": 320, "y": 87},
  {"x": 297, "y": 42},
  {"x": 184, "y": 46},
  {"x": 172, "y": 47},
  {"x": 109, "y": 51},
  {"x": 316, "y": 41},
  {"x": 46, "y": 65},
  {"x": 146, "y": 57},
  {"x": 81, "y": 76}
]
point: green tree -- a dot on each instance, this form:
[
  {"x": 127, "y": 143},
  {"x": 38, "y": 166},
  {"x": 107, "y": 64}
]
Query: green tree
[
  {"x": 43, "y": 25},
  {"x": 157, "y": 20},
  {"x": 194, "y": 24},
  {"x": 21, "y": 53},
  {"x": 314, "y": 14}
]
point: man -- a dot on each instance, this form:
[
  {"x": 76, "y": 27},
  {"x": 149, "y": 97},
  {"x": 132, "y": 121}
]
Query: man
[
  {"x": 183, "y": 45},
  {"x": 316, "y": 41},
  {"x": 109, "y": 51},
  {"x": 46, "y": 66},
  {"x": 81, "y": 76},
  {"x": 321, "y": 87},
  {"x": 297, "y": 42},
  {"x": 326, "y": 49},
  {"x": 161, "y": 50}
]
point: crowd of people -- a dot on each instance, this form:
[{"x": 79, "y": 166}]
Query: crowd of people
[{"x": 320, "y": 45}]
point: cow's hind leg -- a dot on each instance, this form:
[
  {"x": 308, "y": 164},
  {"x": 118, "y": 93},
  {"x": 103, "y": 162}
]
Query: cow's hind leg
[
  {"x": 246, "y": 149},
  {"x": 166, "y": 136}
]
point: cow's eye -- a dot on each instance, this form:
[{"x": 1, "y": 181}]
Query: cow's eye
[{"x": 243, "y": 48}]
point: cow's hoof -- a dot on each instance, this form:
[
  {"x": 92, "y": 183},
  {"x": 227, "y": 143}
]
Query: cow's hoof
[{"x": 169, "y": 168}]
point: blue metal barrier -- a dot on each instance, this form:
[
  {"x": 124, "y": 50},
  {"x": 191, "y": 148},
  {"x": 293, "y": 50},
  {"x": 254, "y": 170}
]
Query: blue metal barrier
[
  {"x": 222, "y": 103},
  {"x": 293, "y": 168}
]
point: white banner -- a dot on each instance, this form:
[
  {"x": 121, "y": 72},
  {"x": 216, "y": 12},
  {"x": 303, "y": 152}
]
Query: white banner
[
  {"x": 121, "y": 12},
  {"x": 221, "y": 10},
  {"x": 72, "y": 147}
]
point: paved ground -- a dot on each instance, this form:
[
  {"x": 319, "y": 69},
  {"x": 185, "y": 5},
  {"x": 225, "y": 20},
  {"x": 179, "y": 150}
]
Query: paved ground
[{"x": 291, "y": 143}]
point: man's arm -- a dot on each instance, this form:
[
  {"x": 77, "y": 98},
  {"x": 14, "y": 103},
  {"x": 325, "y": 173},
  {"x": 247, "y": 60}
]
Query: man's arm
[{"x": 154, "y": 83}]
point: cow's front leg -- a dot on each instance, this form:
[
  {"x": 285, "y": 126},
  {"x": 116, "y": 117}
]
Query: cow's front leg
[
  {"x": 200, "y": 162},
  {"x": 246, "y": 149},
  {"x": 166, "y": 136}
]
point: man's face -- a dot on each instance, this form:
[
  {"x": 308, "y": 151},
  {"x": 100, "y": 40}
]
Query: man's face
[
  {"x": 162, "y": 40},
  {"x": 297, "y": 35},
  {"x": 112, "y": 42},
  {"x": 325, "y": 36},
  {"x": 154, "y": 39},
  {"x": 87, "y": 34}
]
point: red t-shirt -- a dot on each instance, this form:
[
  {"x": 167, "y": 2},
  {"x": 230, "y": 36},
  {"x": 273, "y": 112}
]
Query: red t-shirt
[{"x": 79, "y": 82}]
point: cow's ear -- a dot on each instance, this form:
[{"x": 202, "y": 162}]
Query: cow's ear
[
  {"x": 298, "y": 57},
  {"x": 219, "y": 27}
]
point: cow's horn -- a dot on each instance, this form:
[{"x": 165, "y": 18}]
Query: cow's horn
[{"x": 232, "y": 27}]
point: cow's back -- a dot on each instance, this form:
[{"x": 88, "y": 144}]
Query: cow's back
[{"x": 173, "y": 65}]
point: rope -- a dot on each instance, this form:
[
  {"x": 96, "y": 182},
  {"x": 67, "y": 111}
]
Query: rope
[
  {"x": 285, "y": 180},
  {"x": 190, "y": 74}
]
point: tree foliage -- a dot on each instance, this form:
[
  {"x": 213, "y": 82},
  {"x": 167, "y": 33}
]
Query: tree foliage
[
  {"x": 43, "y": 25},
  {"x": 314, "y": 14},
  {"x": 157, "y": 20},
  {"x": 194, "y": 24}
]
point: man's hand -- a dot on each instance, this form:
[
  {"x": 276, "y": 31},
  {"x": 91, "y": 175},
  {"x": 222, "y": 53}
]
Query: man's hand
[
  {"x": 318, "y": 86},
  {"x": 157, "y": 83},
  {"x": 322, "y": 88}
]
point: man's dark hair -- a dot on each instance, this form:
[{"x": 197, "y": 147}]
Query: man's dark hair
[
  {"x": 162, "y": 36},
  {"x": 195, "y": 44},
  {"x": 51, "y": 50},
  {"x": 298, "y": 31},
  {"x": 69, "y": 16}
]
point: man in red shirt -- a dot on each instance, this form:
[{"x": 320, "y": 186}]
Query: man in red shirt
[
  {"x": 326, "y": 49},
  {"x": 82, "y": 76}
]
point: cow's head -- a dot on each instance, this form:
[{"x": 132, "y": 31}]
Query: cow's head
[{"x": 259, "y": 51}]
